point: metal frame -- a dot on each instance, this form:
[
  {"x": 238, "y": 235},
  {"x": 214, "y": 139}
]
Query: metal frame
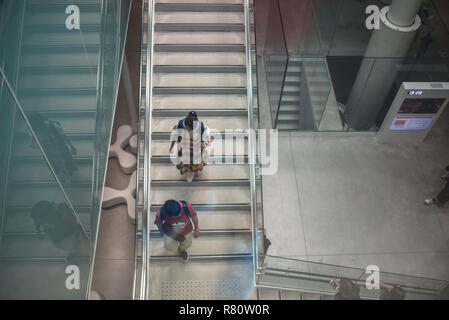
[
  {"x": 138, "y": 233},
  {"x": 9, "y": 156},
  {"x": 114, "y": 105},
  {"x": 147, "y": 155},
  {"x": 251, "y": 136}
]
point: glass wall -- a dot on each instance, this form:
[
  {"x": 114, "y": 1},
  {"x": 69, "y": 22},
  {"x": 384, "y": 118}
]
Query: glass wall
[
  {"x": 59, "y": 85},
  {"x": 332, "y": 36}
]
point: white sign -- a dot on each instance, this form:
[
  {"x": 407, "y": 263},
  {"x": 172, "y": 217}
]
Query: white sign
[{"x": 411, "y": 123}]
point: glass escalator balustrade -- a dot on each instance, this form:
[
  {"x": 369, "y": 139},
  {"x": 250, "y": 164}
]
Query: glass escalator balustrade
[{"x": 58, "y": 101}]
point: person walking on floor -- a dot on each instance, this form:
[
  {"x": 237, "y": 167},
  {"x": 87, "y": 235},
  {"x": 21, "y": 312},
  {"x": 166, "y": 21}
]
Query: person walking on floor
[
  {"x": 443, "y": 197},
  {"x": 174, "y": 221}
]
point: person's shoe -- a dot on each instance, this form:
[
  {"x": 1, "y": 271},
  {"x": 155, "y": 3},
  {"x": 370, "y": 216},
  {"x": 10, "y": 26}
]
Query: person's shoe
[
  {"x": 184, "y": 255},
  {"x": 189, "y": 177},
  {"x": 429, "y": 201}
]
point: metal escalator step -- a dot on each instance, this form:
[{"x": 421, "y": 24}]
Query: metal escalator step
[
  {"x": 206, "y": 195},
  {"x": 210, "y": 113},
  {"x": 210, "y": 172},
  {"x": 202, "y": 258},
  {"x": 199, "y": 27},
  {"x": 199, "y": 48},
  {"x": 208, "y": 245},
  {"x": 199, "y": 90},
  {"x": 191, "y": 38},
  {"x": 201, "y": 183},
  {"x": 198, "y": 7},
  {"x": 199, "y": 80},
  {"x": 200, "y": 58},
  {"x": 199, "y": 17},
  {"x": 200, "y": 101},
  {"x": 204, "y": 69},
  {"x": 203, "y": 1}
]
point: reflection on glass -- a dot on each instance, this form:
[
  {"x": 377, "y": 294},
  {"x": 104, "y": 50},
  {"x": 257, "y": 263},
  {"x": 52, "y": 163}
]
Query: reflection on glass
[
  {"x": 421, "y": 106},
  {"x": 65, "y": 82}
]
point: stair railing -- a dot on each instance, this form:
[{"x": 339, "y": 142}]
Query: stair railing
[
  {"x": 314, "y": 277},
  {"x": 252, "y": 138},
  {"x": 146, "y": 210}
]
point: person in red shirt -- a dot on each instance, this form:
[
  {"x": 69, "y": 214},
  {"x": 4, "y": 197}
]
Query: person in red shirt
[{"x": 174, "y": 221}]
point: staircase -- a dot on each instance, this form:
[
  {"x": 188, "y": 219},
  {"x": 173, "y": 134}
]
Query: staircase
[
  {"x": 305, "y": 91},
  {"x": 199, "y": 64},
  {"x": 58, "y": 79},
  {"x": 289, "y": 113}
]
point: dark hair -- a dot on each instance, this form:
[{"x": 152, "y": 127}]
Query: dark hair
[
  {"x": 172, "y": 208},
  {"x": 37, "y": 121},
  {"x": 41, "y": 210},
  {"x": 190, "y": 119}
]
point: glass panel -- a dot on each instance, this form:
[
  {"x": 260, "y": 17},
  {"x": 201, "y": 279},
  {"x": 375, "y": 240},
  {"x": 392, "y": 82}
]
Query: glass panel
[
  {"x": 113, "y": 37},
  {"x": 305, "y": 94},
  {"x": 271, "y": 45},
  {"x": 314, "y": 277},
  {"x": 41, "y": 235},
  {"x": 66, "y": 81}
]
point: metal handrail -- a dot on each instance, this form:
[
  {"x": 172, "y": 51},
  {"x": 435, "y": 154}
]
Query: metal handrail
[
  {"x": 251, "y": 136},
  {"x": 322, "y": 276},
  {"x": 147, "y": 155},
  {"x": 119, "y": 52},
  {"x": 138, "y": 234}
]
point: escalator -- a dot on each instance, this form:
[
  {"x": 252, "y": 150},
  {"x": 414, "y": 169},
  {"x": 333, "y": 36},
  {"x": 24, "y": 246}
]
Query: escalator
[{"x": 198, "y": 62}]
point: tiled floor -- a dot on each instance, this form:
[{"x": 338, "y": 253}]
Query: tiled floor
[{"x": 355, "y": 202}]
